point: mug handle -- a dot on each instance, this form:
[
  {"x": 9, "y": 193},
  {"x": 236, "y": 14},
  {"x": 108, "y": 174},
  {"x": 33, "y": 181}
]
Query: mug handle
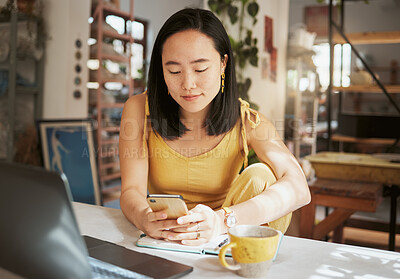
[{"x": 221, "y": 257}]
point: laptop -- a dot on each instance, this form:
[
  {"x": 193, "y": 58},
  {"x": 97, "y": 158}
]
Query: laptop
[{"x": 39, "y": 235}]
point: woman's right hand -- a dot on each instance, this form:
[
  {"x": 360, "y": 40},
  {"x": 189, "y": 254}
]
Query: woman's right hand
[{"x": 157, "y": 226}]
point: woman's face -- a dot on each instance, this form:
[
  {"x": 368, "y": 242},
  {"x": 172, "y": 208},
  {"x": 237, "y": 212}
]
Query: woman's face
[{"x": 192, "y": 69}]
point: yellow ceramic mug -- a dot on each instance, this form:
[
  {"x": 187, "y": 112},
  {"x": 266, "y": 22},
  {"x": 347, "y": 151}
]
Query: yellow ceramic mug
[{"x": 253, "y": 249}]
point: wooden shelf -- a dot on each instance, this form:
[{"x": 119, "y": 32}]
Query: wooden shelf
[
  {"x": 122, "y": 81},
  {"x": 115, "y": 58},
  {"x": 103, "y": 81},
  {"x": 368, "y": 88},
  {"x": 15, "y": 22},
  {"x": 110, "y": 176},
  {"x": 107, "y": 154},
  {"x": 111, "y": 190},
  {"x": 107, "y": 106},
  {"x": 109, "y": 165},
  {"x": 114, "y": 105},
  {"x": 109, "y": 141},
  {"x": 111, "y": 11},
  {"x": 296, "y": 51},
  {"x": 117, "y": 12},
  {"x": 113, "y": 35},
  {"x": 107, "y": 144},
  {"x": 343, "y": 138},
  {"x": 30, "y": 90},
  {"x": 386, "y": 37},
  {"x": 111, "y": 129},
  {"x": 20, "y": 17}
]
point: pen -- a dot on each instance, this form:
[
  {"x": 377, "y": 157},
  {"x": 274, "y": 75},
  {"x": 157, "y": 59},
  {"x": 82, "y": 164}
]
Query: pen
[{"x": 223, "y": 242}]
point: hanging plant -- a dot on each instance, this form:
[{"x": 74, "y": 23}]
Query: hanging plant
[{"x": 244, "y": 48}]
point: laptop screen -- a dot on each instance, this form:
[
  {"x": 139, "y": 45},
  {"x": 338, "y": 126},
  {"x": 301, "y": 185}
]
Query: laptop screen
[{"x": 39, "y": 236}]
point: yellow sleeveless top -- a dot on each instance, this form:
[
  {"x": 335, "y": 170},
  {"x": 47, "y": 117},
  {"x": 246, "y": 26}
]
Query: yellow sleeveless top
[{"x": 205, "y": 178}]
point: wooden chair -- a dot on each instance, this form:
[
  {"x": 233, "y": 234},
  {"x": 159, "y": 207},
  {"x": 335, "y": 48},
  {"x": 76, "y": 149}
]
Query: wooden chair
[{"x": 346, "y": 197}]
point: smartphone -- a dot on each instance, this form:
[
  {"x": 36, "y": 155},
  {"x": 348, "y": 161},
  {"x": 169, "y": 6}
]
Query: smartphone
[{"x": 174, "y": 205}]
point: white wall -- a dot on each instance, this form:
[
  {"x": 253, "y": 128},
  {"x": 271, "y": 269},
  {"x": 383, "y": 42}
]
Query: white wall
[
  {"x": 66, "y": 21},
  {"x": 269, "y": 95}
]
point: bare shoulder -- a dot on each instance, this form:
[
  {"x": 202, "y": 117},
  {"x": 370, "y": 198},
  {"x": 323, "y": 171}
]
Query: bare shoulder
[
  {"x": 265, "y": 121},
  {"x": 135, "y": 106},
  {"x": 133, "y": 116},
  {"x": 264, "y": 130}
]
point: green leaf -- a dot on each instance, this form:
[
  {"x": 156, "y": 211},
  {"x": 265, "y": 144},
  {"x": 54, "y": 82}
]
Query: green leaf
[
  {"x": 253, "y": 51},
  {"x": 252, "y": 157},
  {"x": 244, "y": 88},
  {"x": 254, "y": 106},
  {"x": 233, "y": 42},
  {"x": 246, "y": 53},
  {"x": 249, "y": 33},
  {"x": 233, "y": 14},
  {"x": 252, "y": 9},
  {"x": 253, "y": 61},
  {"x": 242, "y": 62},
  {"x": 247, "y": 84},
  {"x": 247, "y": 40},
  {"x": 213, "y": 5}
]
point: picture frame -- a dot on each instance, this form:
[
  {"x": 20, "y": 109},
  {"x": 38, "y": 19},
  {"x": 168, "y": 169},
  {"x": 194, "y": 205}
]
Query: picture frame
[
  {"x": 268, "y": 34},
  {"x": 273, "y": 64},
  {"x": 68, "y": 147}
]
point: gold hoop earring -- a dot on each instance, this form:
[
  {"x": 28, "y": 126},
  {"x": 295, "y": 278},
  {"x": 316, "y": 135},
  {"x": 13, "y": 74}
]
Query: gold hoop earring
[
  {"x": 169, "y": 93},
  {"x": 223, "y": 82}
]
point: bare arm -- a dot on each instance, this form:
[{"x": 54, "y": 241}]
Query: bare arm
[
  {"x": 133, "y": 161},
  {"x": 289, "y": 192}
]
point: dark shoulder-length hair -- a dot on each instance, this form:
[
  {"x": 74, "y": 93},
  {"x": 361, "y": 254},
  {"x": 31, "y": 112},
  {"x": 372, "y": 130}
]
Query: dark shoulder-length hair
[{"x": 164, "y": 111}]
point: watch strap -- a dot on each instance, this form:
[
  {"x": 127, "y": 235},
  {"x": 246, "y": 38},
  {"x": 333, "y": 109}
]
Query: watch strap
[
  {"x": 227, "y": 211},
  {"x": 230, "y": 218}
]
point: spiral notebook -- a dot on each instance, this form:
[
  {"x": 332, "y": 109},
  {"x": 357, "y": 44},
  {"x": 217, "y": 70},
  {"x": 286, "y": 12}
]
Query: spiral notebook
[{"x": 211, "y": 247}]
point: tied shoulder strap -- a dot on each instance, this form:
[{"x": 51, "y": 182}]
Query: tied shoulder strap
[
  {"x": 146, "y": 114},
  {"x": 246, "y": 112}
]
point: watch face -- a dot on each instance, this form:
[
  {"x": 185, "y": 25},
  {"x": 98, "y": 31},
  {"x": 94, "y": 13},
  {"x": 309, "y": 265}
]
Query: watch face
[{"x": 231, "y": 220}]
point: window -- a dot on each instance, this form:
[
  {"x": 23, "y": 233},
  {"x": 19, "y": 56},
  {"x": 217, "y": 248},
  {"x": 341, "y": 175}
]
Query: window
[
  {"x": 321, "y": 60},
  {"x": 138, "y": 29}
]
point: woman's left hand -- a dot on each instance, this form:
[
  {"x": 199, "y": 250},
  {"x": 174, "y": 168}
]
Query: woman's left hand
[{"x": 203, "y": 224}]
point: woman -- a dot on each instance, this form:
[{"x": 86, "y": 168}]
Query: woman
[{"x": 190, "y": 135}]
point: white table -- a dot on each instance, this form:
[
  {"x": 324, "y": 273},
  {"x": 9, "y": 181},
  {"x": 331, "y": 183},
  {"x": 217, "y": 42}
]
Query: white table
[{"x": 297, "y": 258}]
